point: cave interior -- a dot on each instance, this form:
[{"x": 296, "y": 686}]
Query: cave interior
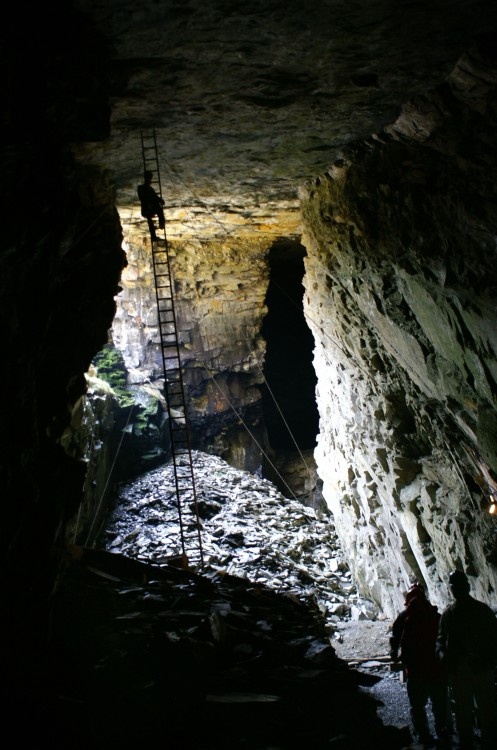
[{"x": 348, "y": 153}]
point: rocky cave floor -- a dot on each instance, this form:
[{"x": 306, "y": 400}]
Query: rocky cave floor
[{"x": 278, "y": 655}]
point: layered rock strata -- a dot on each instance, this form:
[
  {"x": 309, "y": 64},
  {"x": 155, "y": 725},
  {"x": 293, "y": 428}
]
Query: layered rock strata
[
  {"x": 400, "y": 296},
  {"x": 220, "y": 288}
]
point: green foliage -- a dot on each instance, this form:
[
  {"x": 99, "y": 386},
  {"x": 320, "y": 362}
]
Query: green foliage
[{"x": 110, "y": 367}]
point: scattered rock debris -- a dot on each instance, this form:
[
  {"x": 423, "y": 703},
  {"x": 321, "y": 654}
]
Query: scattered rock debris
[
  {"x": 236, "y": 654},
  {"x": 247, "y": 528},
  {"x": 149, "y": 655}
]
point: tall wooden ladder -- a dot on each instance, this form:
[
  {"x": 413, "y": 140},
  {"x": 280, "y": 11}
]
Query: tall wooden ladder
[
  {"x": 174, "y": 391},
  {"x": 150, "y": 156}
]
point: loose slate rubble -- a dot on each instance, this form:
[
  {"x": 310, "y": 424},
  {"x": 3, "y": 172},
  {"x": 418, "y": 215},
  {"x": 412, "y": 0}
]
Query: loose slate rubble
[
  {"x": 234, "y": 656},
  {"x": 248, "y": 529},
  {"x": 145, "y": 655}
]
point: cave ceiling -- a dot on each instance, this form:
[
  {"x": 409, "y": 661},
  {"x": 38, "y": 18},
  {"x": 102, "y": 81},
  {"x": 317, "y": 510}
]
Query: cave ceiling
[{"x": 250, "y": 99}]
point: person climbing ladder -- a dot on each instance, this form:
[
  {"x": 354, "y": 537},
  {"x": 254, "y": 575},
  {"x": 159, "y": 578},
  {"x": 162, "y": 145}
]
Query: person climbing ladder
[{"x": 151, "y": 205}]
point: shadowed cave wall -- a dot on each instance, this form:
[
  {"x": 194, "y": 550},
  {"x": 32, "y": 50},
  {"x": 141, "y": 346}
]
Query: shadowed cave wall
[{"x": 291, "y": 417}]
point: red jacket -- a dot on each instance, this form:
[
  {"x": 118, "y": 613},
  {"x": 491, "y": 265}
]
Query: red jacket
[{"x": 414, "y": 632}]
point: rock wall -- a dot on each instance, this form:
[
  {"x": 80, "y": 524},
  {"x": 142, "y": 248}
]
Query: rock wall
[
  {"x": 400, "y": 296},
  {"x": 220, "y": 287},
  {"x": 60, "y": 264}
]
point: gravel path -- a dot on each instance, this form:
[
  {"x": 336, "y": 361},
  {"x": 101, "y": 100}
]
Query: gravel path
[{"x": 359, "y": 643}]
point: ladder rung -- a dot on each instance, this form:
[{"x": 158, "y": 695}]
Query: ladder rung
[{"x": 173, "y": 385}]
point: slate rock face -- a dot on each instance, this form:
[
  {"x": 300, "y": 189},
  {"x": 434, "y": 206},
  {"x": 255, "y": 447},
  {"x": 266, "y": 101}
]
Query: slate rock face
[
  {"x": 400, "y": 279},
  {"x": 220, "y": 287}
]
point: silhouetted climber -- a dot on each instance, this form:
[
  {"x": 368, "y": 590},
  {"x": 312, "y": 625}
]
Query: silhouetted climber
[
  {"x": 414, "y": 633},
  {"x": 151, "y": 205},
  {"x": 467, "y": 645}
]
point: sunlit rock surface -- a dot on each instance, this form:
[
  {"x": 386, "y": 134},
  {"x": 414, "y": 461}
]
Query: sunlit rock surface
[
  {"x": 220, "y": 288},
  {"x": 245, "y": 528}
]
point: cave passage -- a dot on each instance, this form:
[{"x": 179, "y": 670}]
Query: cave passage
[{"x": 288, "y": 366}]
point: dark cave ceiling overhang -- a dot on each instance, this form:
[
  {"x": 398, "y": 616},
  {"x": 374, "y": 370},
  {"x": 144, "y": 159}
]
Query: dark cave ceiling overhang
[{"x": 249, "y": 100}]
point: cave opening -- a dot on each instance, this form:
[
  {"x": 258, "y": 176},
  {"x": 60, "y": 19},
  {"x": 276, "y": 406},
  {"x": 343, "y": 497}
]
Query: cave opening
[{"x": 288, "y": 394}]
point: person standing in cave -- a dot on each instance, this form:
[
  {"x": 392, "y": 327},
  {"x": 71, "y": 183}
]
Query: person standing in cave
[
  {"x": 413, "y": 636},
  {"x": 467, "y": 645},
  {"x": 151, "y": 205}
]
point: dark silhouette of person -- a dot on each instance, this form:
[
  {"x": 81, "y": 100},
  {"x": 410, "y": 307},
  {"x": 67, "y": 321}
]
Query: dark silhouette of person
[
  {"x": 151, "y": 205},
  {"x": 467, "y": 645},
  {"x": 413, "y": 636}
]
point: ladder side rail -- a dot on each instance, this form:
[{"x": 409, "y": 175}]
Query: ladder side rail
[
  {"x": 164, "y": 295},
  {"x": 174, "y": 345},
  {"x": 157, "y": 163},
  {"x": 147, "y": 162},
  {"x": 170, "y": 424},
  {"x": 182, "y": 391},
  {"x": 151, "y": 163}
]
